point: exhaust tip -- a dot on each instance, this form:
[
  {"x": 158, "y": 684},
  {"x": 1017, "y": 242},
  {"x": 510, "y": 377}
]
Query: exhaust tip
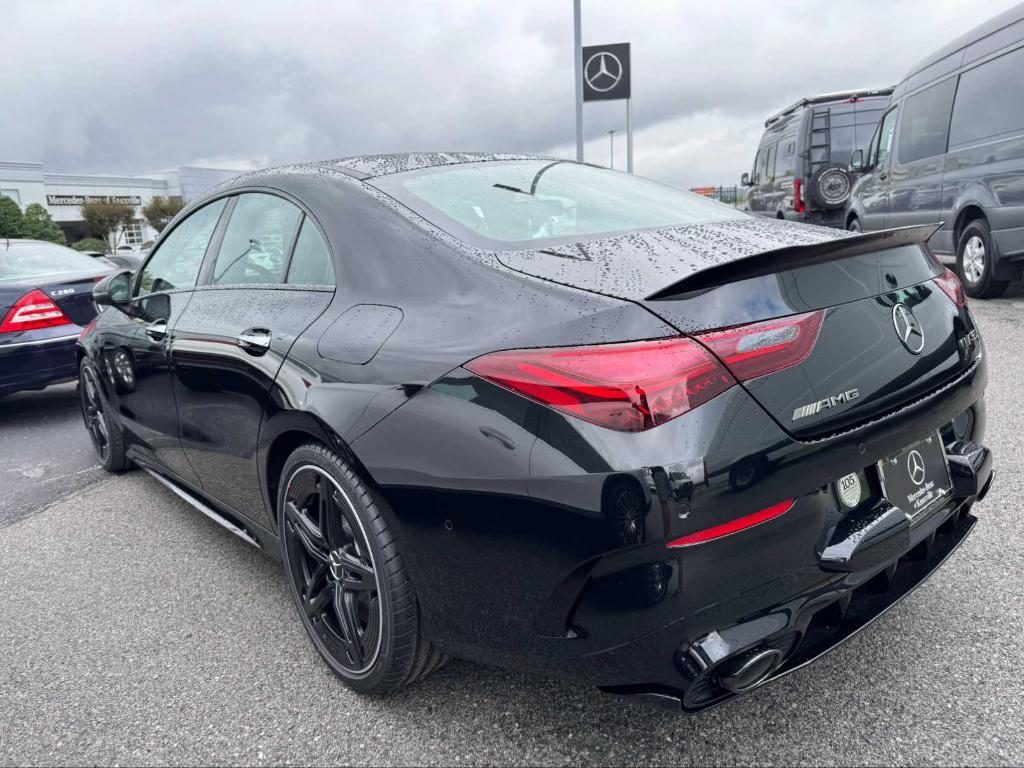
[{"x": 747, "y": 670}]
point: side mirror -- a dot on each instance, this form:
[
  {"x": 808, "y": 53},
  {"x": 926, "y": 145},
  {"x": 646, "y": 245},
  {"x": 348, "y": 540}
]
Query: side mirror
[
  {"x": 857, "y": 160},
  {"x": 114, "y": 290},
  {"x": 745, "y": 180}
]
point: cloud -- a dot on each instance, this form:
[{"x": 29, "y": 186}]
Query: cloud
[{"x": 129, "y": 87}]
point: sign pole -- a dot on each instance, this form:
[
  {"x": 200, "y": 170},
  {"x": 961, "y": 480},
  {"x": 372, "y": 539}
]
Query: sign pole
[
  {"x": 629, "y": 135},
  {"x": 577, "y": 53}
]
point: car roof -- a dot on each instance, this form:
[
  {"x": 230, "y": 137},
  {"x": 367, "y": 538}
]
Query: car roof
[
  {"x": 5, "y": 241},
  {"x": 369, "y": 166}
]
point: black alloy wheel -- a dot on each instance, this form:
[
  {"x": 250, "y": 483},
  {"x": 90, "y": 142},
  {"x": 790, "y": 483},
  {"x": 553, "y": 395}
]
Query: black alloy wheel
[
  {"x": 629, "y": 517},
  {"x": 104, "y": 431},
  {"x": 92, "y": 412},
  {"x": 347, "y": 577},
  {"x": 332, "y": 566}
]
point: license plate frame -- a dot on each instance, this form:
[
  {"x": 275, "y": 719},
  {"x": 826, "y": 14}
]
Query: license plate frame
[{"x": 898, "y": 473}]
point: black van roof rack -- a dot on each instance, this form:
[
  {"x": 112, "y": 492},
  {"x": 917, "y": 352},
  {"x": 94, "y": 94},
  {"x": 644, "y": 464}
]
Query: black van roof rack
[{"x": 825, "y": 97}]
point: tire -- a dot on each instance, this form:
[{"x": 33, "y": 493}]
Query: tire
[
  {"x": 830, "y": 187},
  {"x": 100, "y": 420},
  {"x": 975, "y": 256},
  {"x": 854, "y": 225},
  {"x": 347, "y": 576}
]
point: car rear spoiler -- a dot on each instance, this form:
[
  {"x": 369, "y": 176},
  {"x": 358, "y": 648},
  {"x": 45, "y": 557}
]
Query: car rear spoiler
[{"x": 779, "y": 259}]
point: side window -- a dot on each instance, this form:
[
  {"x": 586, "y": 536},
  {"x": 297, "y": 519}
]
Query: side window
[
  {"x": 882, "y": 144},
  {"x": 925, "y": 124},
  {"x": 256, "y": 241},
  {"x": 176, "y": 262},
  {"x": 989, "y": 100},
  {"x": 784, "y": 161},
  {"x": 758, "y": 163},
  {"x": 769, "y": 163},
  {"x": 311, "y": 262}
]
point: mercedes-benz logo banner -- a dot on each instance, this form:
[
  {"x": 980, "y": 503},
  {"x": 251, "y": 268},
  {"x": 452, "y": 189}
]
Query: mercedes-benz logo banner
[{"x": 606, "y": 72}]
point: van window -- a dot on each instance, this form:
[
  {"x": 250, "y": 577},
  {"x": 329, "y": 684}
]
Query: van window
[
  {"x": 989, "y": 100},
  {"x": 924, "y": 126},
  {"x": 879, "y": 154},
  {"x": 785, "y": 159}
]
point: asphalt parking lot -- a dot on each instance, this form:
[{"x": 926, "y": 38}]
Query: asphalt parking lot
[{"x": 134, "y": 630}]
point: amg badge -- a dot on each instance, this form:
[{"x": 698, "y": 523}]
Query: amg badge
[{"x": 829, "y": 402}]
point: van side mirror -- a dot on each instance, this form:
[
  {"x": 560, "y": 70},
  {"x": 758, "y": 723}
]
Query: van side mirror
[
  {"x": 857, "y": 160},
  {"x": 745, "y": 180},
  {"x": 114, "y": 290}
]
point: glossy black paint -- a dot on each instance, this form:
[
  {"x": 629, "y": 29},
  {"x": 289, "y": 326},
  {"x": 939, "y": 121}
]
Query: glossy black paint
[{"x": 534, "y": 539}]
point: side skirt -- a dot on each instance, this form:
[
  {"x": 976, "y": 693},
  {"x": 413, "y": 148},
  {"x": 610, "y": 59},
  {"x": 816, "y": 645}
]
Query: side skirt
[{"x": 217, "y": 517}]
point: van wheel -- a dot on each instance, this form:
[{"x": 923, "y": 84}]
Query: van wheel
[
  {"x": 853, "y": 225},
  {"x": 975, "y": 256}
]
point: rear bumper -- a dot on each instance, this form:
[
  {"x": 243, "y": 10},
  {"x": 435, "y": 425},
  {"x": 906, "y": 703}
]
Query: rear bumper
[
  {"x": 37, "y": 359},
  {"x": 802, "y": 629}
]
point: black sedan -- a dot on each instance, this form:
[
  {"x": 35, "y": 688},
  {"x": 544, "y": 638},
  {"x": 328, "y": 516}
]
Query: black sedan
[
  {"x": 45, "y": 301},
  {"x": 549, "y": 416}
]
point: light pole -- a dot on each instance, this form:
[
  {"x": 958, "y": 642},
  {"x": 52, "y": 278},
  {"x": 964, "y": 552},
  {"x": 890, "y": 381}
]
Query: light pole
[
  {"x": 611, "y": 148},
  {"x": 577, "y": 54}
]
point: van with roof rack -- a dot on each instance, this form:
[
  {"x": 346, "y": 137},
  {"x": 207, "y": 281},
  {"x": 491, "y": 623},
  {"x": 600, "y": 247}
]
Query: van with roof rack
[
  {"x": 800, "y": 170},
  {"x": 950, "y": 150}
]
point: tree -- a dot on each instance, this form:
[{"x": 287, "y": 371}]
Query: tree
[
  {"x": 159, "y": 211},
  {"x": 107, "y": 220},
  {"x": 38, "y": 225},
  {"x": 11, "y": 220},
  {"x": 90, "y": 245}
]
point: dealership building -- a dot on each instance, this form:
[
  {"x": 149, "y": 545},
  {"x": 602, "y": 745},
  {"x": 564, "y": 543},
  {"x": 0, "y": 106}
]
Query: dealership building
[{"x": 62, "y": 194}]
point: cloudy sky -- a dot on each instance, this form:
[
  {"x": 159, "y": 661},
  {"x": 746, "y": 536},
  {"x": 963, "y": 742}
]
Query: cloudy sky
[{"x": 134, "y": 87}]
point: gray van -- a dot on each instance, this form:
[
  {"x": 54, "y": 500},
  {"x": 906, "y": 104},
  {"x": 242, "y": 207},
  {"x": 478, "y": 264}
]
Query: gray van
[
  {"x": 800, "y": 170},
  {"x": 951, "y": 149}
]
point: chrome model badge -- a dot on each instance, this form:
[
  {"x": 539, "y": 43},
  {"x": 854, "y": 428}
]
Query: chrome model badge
[
  {"x": 822, "y": 405},
  {"x": 908, "y": 328}
]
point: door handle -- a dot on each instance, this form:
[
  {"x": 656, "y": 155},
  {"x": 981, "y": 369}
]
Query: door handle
[
  {"x": 157, "y": 331},
  {"x": 255, "y": 341},
  {"x": 501, "y": 438},
  {"x": 883, "y": 176}
]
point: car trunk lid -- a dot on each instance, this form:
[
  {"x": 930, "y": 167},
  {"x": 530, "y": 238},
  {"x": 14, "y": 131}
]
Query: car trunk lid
[{"x": 859, "y": 293}]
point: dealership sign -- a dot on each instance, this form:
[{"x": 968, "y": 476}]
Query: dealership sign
[
  {"x": 83, "y": 199},
  {"x": 606, "y": 72}
]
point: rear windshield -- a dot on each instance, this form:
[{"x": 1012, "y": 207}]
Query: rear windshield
[
  {"x": 21, "y": 262},
  {"x": 541, "y": 202}
]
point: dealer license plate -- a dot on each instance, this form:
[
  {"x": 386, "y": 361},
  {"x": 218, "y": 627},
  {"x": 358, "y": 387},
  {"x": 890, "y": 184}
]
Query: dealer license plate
[{"x": 917, "y": 478}]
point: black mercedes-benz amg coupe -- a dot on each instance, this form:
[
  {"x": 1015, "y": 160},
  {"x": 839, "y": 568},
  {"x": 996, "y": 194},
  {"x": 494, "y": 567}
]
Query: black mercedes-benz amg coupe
[{"x": 549, "y": 416}]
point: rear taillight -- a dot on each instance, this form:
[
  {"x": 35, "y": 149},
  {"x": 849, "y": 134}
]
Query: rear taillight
[
  {"x": 798, "y": 196},
  {"x": 950, "y": 285},
  {"x": 628, "y": 387},
  {"x": 758, "y": 349},
  {"x": 733, "y": 526},
  {"x": 34, "y": 310}
]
